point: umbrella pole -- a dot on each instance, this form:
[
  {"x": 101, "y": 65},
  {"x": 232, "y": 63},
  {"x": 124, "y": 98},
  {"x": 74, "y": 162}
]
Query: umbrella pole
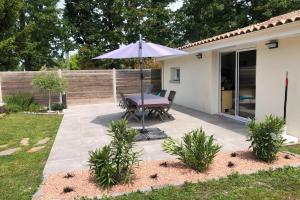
[
  {"x": 142, "y": 83},
  {"x": 285, "y": 95}
]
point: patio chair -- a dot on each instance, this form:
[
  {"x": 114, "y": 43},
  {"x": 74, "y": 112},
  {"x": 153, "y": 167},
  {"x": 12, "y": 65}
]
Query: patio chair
[
  {"x": 149, "y": 89},
  {"x": 163, "y": 93},
  {"x": 121, "y": 102},
  {"x": 164, "y": 111},
  {"x": 130, "y": 109}
]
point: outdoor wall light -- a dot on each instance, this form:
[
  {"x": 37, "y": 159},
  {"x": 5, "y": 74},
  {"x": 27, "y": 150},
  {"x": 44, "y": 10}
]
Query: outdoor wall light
[
  {"x": 199, "y": 55},
  {"x": 272, "y": 44}
]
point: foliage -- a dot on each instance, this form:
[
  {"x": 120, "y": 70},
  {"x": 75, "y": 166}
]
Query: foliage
[
  {"x": 73, "y": 63},
  {"x": 104, "y": 25},
  {"x": 20, "y": 102},
  {"x": 200, "y": 19},
  {"x": 277, "y": 185},
  {"x": 9, "y": 12},
  {"x": 197, "y": 150},
  {"x": 31, "y": 34},
  {"x": 22, "y": 173},
  {"x": 58, "y": 107},
  {"x": 37, "y": 33},
  {"x": 266, "y": 137},
  {"x": 114, "y": 163},
  {"x": 49, "y": 83}
]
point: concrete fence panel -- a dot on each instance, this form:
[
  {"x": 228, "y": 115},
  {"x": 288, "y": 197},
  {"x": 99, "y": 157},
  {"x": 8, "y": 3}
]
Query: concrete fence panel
[{"x": 84, "y": 86}]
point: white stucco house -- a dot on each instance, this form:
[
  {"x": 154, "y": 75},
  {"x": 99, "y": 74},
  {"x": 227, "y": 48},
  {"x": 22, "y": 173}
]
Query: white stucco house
[{"x": 241, "y": 74}]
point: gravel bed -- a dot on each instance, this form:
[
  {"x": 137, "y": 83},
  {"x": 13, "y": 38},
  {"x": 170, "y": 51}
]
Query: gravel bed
[{"x": 175, "y": 173}]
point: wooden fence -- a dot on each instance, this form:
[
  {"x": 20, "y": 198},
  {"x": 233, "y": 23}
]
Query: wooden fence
[{"x": 84, "y": 86}]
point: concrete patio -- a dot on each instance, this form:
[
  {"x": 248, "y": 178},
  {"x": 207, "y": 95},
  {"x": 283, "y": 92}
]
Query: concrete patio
[{"x": 84, "y": 128}]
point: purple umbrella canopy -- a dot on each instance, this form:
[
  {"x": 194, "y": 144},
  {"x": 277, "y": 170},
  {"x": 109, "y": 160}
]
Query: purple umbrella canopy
[
  {"x": 142, "y": 49},
  {"x": 148, "y": 50}
]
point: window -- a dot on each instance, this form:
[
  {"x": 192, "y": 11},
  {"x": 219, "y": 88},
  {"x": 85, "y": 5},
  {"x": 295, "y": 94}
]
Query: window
[{"x": 175, "y": 75}]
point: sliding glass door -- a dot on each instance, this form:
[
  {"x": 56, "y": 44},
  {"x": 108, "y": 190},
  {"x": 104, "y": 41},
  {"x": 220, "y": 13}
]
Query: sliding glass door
[{"x": 237, "y": 83}]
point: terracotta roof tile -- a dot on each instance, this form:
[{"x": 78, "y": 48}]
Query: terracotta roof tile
[{"x": 272, "y": 22}]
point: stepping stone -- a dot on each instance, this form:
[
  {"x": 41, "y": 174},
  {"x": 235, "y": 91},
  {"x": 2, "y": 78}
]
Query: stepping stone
[
  {"x": 35, "y": 149},
  {"x": 24, "y": 142},
  {"x": 3, "y": 146},
  {"x": 9, "y": 151},
  {"x": 43, "y": 141}
]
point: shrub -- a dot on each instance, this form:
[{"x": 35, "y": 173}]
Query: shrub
[
  {"x": 114, "y": 163},
  {"x": 58, "y": 107},
  {"x": 19, "y": 102},
  {"x": 49, "y": 83},
  {"x": 197, "y": 150},
  {"x": 266, "y": 137}
]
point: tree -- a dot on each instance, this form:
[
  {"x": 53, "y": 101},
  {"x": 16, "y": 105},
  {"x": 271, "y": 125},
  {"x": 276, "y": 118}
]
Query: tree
[
  {"x": 9, "y": 13},
  {"x": 102, "y": 26},
  {"x": 199, "y": 19},
  {"x": 39, "y": 36},
  {"x": 49, "y": 83}
]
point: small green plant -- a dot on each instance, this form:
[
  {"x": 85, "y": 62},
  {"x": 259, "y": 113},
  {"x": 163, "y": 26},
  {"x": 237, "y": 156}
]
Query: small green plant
[
  {"x": 114, "y": 163},
  {"x": 197, "y": 150},
  {"x": 58, "y": 107},
  {"x": 20, "y": 102},
  {"x": 49, "y": 83},
  {"x": 266, "y": 137}
]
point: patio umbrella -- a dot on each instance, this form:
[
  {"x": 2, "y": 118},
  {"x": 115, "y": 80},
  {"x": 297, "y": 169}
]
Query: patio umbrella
[{"x": 141, "y": 49}]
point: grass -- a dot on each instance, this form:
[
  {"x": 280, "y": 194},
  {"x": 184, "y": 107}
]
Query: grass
[
  {"x": 279, "y": 184},
  {"x": 295, "y": 148},
  {"x": 21, "y": 173}
]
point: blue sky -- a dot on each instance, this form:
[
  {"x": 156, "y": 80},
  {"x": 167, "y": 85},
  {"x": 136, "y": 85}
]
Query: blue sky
[{"x": 173, "y": 6}]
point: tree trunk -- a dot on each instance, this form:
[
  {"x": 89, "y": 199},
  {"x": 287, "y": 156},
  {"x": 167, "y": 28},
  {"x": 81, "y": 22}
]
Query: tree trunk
[{"x": 49, "y": 106}]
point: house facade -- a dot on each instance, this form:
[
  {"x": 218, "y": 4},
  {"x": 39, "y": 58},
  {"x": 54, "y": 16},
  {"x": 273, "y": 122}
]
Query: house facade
[{"x": 241, "y": 74}]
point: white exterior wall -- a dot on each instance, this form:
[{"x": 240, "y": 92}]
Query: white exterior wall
[
  {"x": 272, "y": 65},
  {"x": 197, "y": 87}
]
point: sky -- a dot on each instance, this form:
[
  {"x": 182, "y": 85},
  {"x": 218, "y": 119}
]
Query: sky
[{"x": 173, "y": 6}]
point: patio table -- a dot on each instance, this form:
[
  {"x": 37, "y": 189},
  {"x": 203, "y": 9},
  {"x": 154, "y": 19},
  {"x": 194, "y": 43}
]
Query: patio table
[{"x": 150, "y": 100}]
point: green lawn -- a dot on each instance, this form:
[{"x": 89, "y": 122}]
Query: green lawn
[
  {"x": 292, "y": 148},
  {"x": 279, "y": 184},
  {"x": 21, "y": 173}
]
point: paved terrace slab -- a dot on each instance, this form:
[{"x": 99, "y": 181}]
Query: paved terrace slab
[{"x": 84, "y": 128}]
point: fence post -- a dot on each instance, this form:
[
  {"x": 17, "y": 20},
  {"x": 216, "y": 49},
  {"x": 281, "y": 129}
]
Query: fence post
[
  {"x": 114, "y": 85},
  {"x": 60, "y": 94}
]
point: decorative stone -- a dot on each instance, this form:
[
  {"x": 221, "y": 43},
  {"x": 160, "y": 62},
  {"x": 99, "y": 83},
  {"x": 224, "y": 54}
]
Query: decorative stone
[
  {"x": 35, "y": 149},
  {"x": 43, "y": 141},
  {"x": 9, "y": 151},
  {"x": 3, "y": 146},
  {"x": 24, "y": 142}
]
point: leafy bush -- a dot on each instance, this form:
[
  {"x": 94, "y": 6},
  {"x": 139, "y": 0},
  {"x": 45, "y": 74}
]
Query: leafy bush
[
  {"x": 19, "y": 102},
  {"x": 49, "y": 83},
  {"x": 58, "y": 107},
  {"x": 197, "y": 150},
  {"x": 266, "y": 137},
  {"x": 114, "y": 163}
]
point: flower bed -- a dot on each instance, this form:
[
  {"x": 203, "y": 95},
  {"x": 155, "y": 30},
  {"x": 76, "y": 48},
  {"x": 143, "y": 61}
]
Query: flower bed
[{"x": 160, "y": 173}]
